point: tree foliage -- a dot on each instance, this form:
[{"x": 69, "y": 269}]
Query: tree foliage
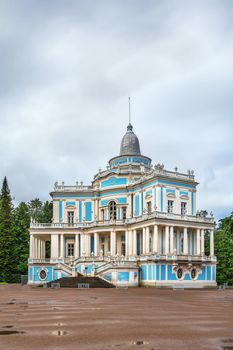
[
  {"x": 224, "y": 250},
  {"x": 21, "y": 225},
  {"x": 8, "y": 258},
  {"x": 39, "y": 211},
  {"x": 14, "y": 232}
]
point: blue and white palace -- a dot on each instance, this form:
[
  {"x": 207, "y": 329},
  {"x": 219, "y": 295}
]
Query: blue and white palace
[{"x": 136, "y": 224}]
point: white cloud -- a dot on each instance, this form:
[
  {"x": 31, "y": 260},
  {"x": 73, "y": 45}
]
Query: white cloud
[{"x": 66, "y": 72}]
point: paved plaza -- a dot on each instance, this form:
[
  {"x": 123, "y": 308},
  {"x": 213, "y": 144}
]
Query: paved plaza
[{"x": 142, "y": 318}]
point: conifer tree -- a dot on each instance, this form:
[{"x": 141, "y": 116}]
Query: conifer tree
[
  {"x": 8, "y": 259},
  {"x": 22, "y": 224}
]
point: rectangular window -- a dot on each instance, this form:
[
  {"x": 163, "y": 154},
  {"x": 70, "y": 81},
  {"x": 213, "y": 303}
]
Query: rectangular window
[
  {"x": 124, "y": 213},
  {"x": 70, "y": 249},
  {"x": 148, "y": 207},
  {"x": 170, "y": 206},
  {"x": 102, "y": 214},
  {"x": 183, "y": 208},
  {"x": 70, "y": 215}
]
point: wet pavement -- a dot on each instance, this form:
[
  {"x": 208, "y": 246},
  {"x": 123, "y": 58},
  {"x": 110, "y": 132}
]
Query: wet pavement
[{"x": 143, "y": 318}]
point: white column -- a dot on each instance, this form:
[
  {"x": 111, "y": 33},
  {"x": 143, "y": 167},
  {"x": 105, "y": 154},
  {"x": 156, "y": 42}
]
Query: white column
[
  {"x": 126, "y": 242},
  {"x": 185, "y": 241},
  {"x": 76, "y": 247},
  {"x": 96, "y": 244},
  {"x": 62, "y": 246},
  {"x": 134, "y": 250},
  {"x": 38, "y": 248},
  {"x": 171, "y": 240},
  {"x": 178, "y": 241},
  {"x": 166, "y": 240},
  {"x": 147, "y": 240},
  {"x": 54, "y": 246},
  {"x": 113, "y": 243},
  {"x": 144, "y": 240},
  {"x": 198, "y": 241},
  {"x": 155, "y": 239},
  {"x": 35, "y": 247},
  {"x": 82, "y": 245},
  {"x": 88, "y": 245},
  {"x": 212, "y": 243},
  {"x": 31, "y": 254},
  {"x": 43, "y": 249},
  {"x": 130, "y": 242},
  {"x": 203, "y": 242}
]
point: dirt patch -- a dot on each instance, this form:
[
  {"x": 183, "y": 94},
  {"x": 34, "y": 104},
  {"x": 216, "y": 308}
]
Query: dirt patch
[{"x": 100, "y": 319}]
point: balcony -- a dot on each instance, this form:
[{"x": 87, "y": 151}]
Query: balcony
[{"x": 145, "y": 217}]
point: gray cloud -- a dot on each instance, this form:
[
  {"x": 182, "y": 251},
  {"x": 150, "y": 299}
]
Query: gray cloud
[{"x": 67, "y": 68}]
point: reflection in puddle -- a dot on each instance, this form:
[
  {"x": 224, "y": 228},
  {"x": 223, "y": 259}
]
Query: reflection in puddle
[
  {"x": 59, "y": 333},
  {"x": 140, "y": 342},
  {"x": 228, "y": 341},
  {"x": 10, "y": 332}
]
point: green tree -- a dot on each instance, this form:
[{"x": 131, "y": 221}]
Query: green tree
[
  {"x": 35, "y": 207},
  {"x": 22, "y": 224},
  {"x": 39, "y": 211},
  {"x": 47, "y": 212},
  {"x": 8, "y": 258},
  {"x": 224, "y": 250}
]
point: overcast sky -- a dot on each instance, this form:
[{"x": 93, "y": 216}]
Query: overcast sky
[{"x": 68, "y": 67}]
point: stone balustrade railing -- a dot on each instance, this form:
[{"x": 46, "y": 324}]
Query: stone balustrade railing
[
  {"x": 120, "y": 261},
  {"x": 154, "y": 215}
]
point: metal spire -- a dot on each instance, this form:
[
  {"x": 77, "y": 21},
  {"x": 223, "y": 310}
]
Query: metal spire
[
  {"x": 129, "y": 111},
  {"x": 130, "y": 126}
]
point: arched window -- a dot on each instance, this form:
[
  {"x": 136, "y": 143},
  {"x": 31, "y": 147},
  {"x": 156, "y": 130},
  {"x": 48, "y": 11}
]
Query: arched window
[{"x": 112, "y": 210}]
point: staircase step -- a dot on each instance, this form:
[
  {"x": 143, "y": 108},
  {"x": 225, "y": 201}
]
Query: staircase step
[{"x": 73, "y": 282}]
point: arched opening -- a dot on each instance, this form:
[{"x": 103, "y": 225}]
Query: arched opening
[{"x": 112, "y": 210}]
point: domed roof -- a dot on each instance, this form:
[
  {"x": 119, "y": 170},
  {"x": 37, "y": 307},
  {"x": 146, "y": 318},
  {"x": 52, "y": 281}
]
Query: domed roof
[{"x": 130, "y": 143}]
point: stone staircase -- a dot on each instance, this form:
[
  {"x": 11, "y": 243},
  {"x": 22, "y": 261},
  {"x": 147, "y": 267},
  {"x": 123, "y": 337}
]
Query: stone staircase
[{"x": 74, "y": 282}]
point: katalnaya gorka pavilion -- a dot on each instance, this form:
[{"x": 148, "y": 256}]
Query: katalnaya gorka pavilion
[{"x": 135, "y": 225}]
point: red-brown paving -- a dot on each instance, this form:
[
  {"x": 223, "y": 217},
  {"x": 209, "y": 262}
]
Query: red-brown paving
[{"x": 142, "y": 318}]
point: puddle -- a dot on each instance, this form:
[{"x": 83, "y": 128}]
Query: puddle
[
  {"x": 10, "y": 332},
  {"x": 228, "y": 341},
  {"x": 41, "y": 302},
  {"x": 140, "y": 342},
  {"x": 14, "y": 301},
  {"x": 59, "y": 333}
]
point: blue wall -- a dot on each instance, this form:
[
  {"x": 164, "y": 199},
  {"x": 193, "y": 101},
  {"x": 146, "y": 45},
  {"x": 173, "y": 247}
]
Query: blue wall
[
  {"x": 144, "y": 272},
  {"x": 88, "y": 211},
  {"x": 80, "y": 211},
  {"x": 137, "y": 209},
  {"x": 60, "y": 211},
  {"x": 161, "y": 199},
  {"x": 113, "y": 181},
  {"x": 123, "y": 276},
  {"x": 153, "y": 272}
]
